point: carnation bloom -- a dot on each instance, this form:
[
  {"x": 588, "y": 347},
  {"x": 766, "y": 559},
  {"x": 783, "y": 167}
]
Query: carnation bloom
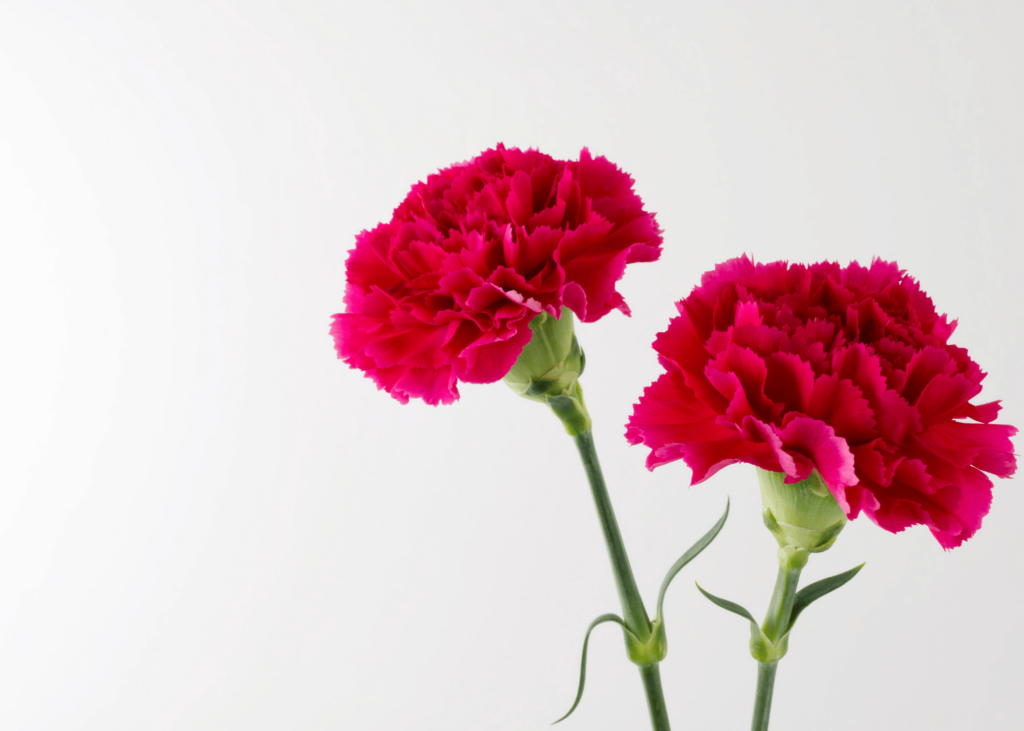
[
  {"x": 843, "y": 370},
  {"x": 445, "y": 291}
]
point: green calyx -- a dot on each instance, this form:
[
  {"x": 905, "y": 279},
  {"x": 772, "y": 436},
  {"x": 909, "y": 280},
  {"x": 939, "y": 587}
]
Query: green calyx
[
  {"x": 804, "y": 517},
  {"x": 552, "y": 360},
  {"x": 548, "y": 370}
]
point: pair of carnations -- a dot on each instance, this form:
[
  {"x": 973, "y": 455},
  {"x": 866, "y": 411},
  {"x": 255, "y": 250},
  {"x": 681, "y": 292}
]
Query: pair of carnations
[{"x": 838, "y": 383}]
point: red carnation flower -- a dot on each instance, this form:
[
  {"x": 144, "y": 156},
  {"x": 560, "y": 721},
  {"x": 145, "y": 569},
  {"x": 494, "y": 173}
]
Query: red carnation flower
[
  {"x": 846, "y": 370},
  {"x": 445, "y": 291}
]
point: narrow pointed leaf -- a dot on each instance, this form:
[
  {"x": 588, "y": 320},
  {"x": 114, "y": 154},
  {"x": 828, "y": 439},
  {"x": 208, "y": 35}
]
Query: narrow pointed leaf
[
  {"x": 583, "y": 664},
  {"x": 761, "y": 648},
  {"x": 818, "y": 589},
  {"x": 691, "y": 554},
  {"x": 729, "y": 606}
]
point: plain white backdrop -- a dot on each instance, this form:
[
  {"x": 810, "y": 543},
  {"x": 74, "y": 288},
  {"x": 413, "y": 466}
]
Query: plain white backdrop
[{"x": 208, "y": 522}]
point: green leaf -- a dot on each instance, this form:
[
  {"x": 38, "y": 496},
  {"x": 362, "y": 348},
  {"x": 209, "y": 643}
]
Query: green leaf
[
  {"x": 762, "y": 649},
  {"x": 691, "y": 554},
  {"x": 729, "y": 606},
  {"x": 818, "y": 589},
  {"x": 583, "y": 664}
]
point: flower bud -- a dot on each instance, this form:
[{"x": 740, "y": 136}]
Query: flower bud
[
  {"x": 804, "y": 517},
  {"x": 548, "y": 368}
]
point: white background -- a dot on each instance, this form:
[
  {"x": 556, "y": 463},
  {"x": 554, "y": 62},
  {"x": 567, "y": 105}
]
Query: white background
[{"x": 208, "y": 522}]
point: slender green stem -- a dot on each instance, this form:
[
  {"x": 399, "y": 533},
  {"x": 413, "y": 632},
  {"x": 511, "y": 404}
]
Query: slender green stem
[
  {"x": 651, "y": 676},
  {"x": 776, "y": 625},
  {"x": 633, "y": 612},
  {"x": 763, "y": 698}
]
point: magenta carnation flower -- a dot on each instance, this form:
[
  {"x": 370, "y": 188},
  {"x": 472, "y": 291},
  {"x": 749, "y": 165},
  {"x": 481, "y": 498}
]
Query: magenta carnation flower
[
  {"x": 843, "y": 370},
  {"x": 445, "y": 291}
]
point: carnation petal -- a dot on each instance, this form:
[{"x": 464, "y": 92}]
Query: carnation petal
[
  {"x": 858, "y": 498},
  {"x": 707, "y": 458},
  {"x": 520, "y": 199},
  {"x": 895, "y": 419},
  {"x": 926, "y": 364},
  {"x": 669, "y": 412},
  {"x": 789, "y": 381},
  {"x": 433, "y": 385},
  {"x": 996, "y": 462},
  {"x": 365, "y": 266},
  {"x": 489, "y": 362},
  {"x": 876, "y": 461},
  {"x": 595, "y": 272},
  {"x": 985, "y": 413},
  {"x": 829, "y": 453},
  {"x": 973, "y": 501},
  {"x": 756, "y": 431},
  {"x": 960, "y": 442},
  {"x": 537, "y": 248},
  {"x": 841, "y": 404},
  {"x": 945, "y": 396},
  {"x": 575, "y": 299},
  {"x": 682, "y": 344}
]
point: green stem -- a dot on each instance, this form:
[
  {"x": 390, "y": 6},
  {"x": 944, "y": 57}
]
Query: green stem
[
  {"x": 651, "y": 676},
  {"x": 633, "y": 612},
  {"x": 763, "y": 698},
  {"x": 776, "y": 625}
]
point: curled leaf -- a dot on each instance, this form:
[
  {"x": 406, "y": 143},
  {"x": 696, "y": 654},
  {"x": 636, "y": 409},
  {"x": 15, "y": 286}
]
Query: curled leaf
[
  {"x": 728, "y": 605},
  {"x": 762, "y": 648},
  {"x": 691, "y": 554},
  {"x": 583, "y": 663}
]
